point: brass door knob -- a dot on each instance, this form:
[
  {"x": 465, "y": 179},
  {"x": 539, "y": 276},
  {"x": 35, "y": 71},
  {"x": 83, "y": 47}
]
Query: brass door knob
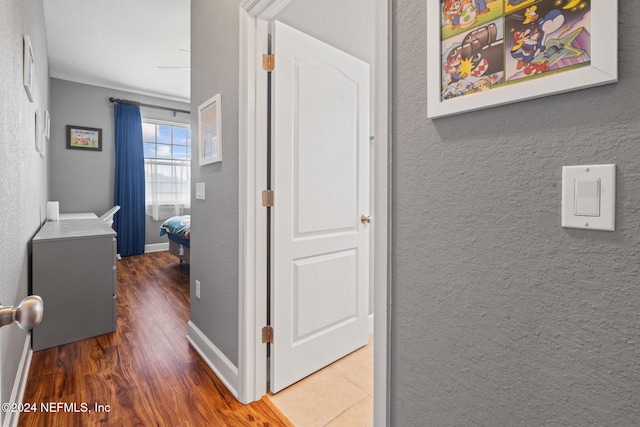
[{"x": 365, "y": 219}]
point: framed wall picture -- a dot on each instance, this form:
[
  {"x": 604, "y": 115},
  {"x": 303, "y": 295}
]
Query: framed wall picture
[
  {"x": 28, "y": 67},
  {"x": 47, "y": 125},
  {"x": 39, "y": 131},
  {"x": 84, "y": 138},
  {"x": 484, "y": 53},
  {"x": 210, "y": 131}
]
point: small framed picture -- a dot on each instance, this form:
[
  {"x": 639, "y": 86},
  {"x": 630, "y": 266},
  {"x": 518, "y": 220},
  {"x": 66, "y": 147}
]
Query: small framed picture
[
  {"x": 47, "y": 125},
  {"x": 209, "y": 131},
  {"x": 39, "y": 143},
  {"x": 28, "y": 67},
  {"x": 84, "y": 138}
]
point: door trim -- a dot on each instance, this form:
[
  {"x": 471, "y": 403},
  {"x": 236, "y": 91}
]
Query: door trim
[
  {"x": 254, "y": 16},
  {"x": 382, "y": 211}
]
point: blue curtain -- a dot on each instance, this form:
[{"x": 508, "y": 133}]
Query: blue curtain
[{"x": 129, "y": 180}]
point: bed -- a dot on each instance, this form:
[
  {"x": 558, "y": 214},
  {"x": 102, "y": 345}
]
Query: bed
[{"x": 178, "y": 230}]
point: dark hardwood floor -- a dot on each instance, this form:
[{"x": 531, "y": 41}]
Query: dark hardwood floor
[{"x": 143, "y": 374}]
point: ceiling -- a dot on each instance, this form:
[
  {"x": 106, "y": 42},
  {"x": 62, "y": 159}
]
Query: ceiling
[{"x": 121, "y": 44}]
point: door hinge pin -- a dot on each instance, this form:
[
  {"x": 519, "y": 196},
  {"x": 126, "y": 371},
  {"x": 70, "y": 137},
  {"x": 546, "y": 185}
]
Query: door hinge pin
[
  {"x": 267, "y": 198},
  {"x": 267, "y": 335},
  {"x": 268, "y": 62}
]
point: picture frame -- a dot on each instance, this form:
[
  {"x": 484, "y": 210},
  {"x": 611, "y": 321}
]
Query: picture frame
[
  {"x": 47, "y": 125},
  {"x": 547, "y": 46},
  {"x": 210, "y": 131},
  {"x": 39, "y": 134},
  {"x": 28, "y": 67},
  {"x": 84, "y": 138}
]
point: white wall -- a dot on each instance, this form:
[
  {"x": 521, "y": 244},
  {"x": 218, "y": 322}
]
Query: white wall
[{"x": 23, "y": 173}]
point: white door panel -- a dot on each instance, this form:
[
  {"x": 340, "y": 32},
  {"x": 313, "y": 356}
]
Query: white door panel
[
  {"x": 321, "y": 152},
  {"x": 320, "y": 249},
  {"x": 337, "y": 271}
]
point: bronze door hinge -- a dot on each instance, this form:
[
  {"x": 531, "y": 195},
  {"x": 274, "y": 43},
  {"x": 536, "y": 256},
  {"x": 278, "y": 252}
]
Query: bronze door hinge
[
  {"x": 268, "y": 62},
  {"x": 267, "y": 198},
  {"x": 267, "y": 335}
]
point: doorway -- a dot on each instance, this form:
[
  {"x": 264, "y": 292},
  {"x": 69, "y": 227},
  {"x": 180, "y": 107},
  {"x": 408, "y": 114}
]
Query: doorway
[
  {"x": 254, "y": 18},
  {"x": 320, "y": 221}
]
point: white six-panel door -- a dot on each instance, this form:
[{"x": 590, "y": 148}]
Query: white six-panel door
[{"x": 320, "y": 246}]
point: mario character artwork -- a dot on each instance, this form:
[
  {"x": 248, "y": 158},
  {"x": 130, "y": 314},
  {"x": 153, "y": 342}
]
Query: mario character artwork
[
  {"x": 471, "y": 58},
  {"x": 547, "y": 38},
  {"x": 486, "y": 44},
  {"x": 463, "y": 14},
  {"x": 529, "y": 42},
  {"x": 513, "y": 5}
]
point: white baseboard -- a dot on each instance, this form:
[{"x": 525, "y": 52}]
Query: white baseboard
[
  {"x": 11, "y": 418},
  {"x": 156, "y": 247},
  {"x": 217, "y": 361}
]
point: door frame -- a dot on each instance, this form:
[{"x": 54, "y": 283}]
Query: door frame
[{"x": 254, "y": 17}]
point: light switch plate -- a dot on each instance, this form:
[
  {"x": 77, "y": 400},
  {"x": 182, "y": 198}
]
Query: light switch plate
[
  {"x": 199, "y": 190},
  {"x": 584, "y": 186}
]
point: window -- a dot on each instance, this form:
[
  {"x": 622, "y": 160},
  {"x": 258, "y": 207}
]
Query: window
[{"x": 167, "y": 168}]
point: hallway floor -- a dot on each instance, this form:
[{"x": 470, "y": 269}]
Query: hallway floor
[{"x": 339, "y": 395}]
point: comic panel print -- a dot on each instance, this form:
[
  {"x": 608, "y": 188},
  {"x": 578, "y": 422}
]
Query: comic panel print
[
  {"x": 473, "y": 61},
  {"x": 511, "y": 5},
  {"x": 547, "y": 36},
  {"x": 459, "y": 16}
]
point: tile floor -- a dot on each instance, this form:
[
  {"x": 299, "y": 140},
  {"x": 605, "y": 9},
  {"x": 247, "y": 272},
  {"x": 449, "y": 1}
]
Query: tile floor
[{"x": 339, "y": 395}]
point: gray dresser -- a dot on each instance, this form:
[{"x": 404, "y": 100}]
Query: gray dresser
[{"x": 74, "y": 271}]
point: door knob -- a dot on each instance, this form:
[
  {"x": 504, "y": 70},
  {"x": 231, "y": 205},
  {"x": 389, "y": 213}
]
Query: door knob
[
  {"x": 27, "y": 315},
  {"x": 365, "y": 219}
]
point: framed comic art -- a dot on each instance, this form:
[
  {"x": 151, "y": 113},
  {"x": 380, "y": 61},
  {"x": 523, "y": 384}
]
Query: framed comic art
[
  {"x": 84, "y": 138},
  {"x": 484, "y": 53}
]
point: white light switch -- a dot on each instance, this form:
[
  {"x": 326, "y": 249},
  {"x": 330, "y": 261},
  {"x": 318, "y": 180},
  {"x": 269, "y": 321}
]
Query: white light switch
[
  {"x": 199, "y": 190},
  {"x": 589, "y": 197}
]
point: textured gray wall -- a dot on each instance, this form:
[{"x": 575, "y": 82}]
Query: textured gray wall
[
  {"x": 215, "y": 237},
  {"x": 81, "y": 180},
  {"x": 23, "y": 173},
  {"x": 500, "y": 316}
]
